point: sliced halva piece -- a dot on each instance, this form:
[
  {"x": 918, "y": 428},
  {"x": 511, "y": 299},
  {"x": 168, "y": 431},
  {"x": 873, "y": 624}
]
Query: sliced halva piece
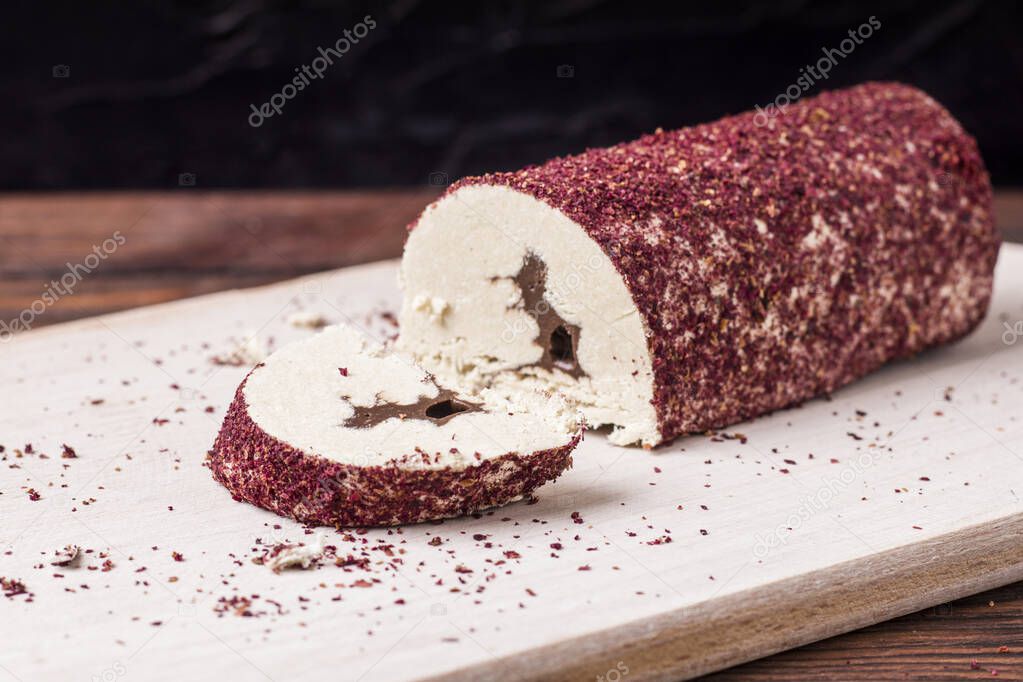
[{"x": 338, "y": 430}]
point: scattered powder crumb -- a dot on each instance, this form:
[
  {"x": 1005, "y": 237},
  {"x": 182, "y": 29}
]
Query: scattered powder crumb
[
  {"x": 12, "y": 587},
  {"x": 306, "y": 319},
  {"x": 247, "y": 352},
  {"x": 68, "y": 556},
  {"x": 282, "y": 556}
]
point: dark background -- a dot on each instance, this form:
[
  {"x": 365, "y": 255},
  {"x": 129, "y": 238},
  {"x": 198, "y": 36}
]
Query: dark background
[{"x": 154, "y": 90}]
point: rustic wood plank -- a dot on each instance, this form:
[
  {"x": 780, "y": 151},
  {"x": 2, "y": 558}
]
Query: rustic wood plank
[
  {"x": 180, "y": 244},
  {"x": 122, "y": 291},
  {"x": 1009, "y": 213},
  {"x": 285, "y": 232},
  {"x": 970, "y": 638}
]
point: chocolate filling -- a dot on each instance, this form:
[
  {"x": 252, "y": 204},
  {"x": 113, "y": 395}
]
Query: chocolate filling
[
  {"x": 438, "y": 409},
  {"x": 558, "y": 338}
]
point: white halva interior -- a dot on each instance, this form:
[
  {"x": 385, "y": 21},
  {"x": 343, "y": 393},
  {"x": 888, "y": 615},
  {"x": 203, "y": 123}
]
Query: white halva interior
[
  {"x": 463, "y": 317},
  {"x": 301, "y": 397}
]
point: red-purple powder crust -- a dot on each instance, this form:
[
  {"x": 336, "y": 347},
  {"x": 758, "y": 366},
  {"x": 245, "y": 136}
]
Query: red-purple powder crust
[
  {"x": 775, "y": 259},
  {"x": 269, "y": 473}
]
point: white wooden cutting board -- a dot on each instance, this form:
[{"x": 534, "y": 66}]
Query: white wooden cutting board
[{"x": 901, "y": 492}]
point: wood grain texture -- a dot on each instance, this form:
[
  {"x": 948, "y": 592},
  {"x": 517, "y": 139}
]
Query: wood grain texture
[
  {"x": 844, "y": 596},
  {"x": 968, "y": 639},
  {"x": 180, "y": 244},
  {"x": 184, "y": 244},
  {"x": 187, "y": 243}
]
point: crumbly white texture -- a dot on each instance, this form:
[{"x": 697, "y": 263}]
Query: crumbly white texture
[
  {"x": 66, "y": 557},
  {"x": 301, "y": 396},
  {"x": 247, "y": 351},
  {"x": 466, "y": 251},
  {"x": 291, "y": 556},
  {"x": 433, "y": 307}
]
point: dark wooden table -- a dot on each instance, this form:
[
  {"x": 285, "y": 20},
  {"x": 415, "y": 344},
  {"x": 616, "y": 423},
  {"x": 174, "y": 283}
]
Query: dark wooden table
[{"x": 186, "y": 243}]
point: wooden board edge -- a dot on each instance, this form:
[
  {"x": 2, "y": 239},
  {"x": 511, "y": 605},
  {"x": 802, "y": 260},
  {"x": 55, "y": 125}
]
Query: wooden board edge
[
  {"x": 737, "y": 628},
  {"x": 183, "y": 303},
  {"x": 754, "y": 623}
]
